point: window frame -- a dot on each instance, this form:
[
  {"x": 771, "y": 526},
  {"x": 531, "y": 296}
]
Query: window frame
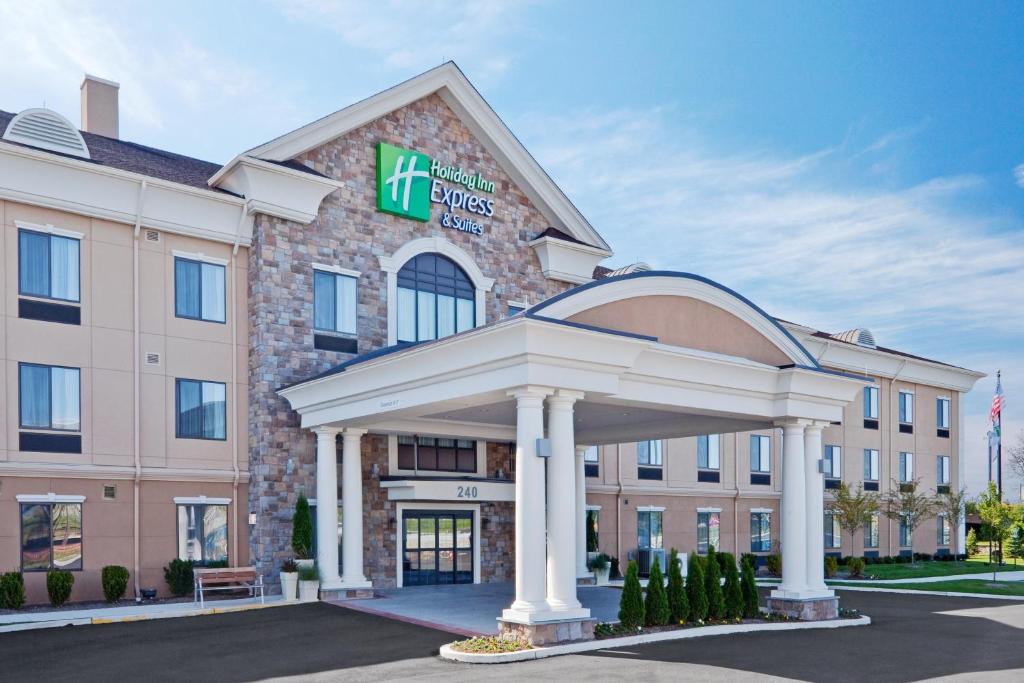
[
  {"x": 872, "y": 531},
  {"x": 942, "y": 470},
  {"x": 416, "y": 445},
  {"x": 201, "y": 520},
  {"x": 943, "y": 417},
  {"x": 905, "y": 465},
  {"x": 906, "y": 532},
  {"x": 49, "y": 235},
  {"x": 765, "y": 462},
  {"x": 717, "y": 514},
  {"x": 51, "y": 428},
  {"x": 707, "y": 440},
  {"x": 870, "y": 403},
  {"x": 943, "y": 530},
  {"x": 202, "y": 417},
  {"x": 872, "y": 464},
  {"x": 199, "y": 289},
  {"x": 905, "y": 408},
  {"x": 764, "y": 521},
  {"x": 336, "y": 275},
  {"x": 21, "y": 534},
  {"x": 830, "y": 451},
  {"x": 660, "y": 452},
  {"x": 661, "y": 525},
  {"x": 416, "y": 300},
  {"x": 833, "y": 539}
]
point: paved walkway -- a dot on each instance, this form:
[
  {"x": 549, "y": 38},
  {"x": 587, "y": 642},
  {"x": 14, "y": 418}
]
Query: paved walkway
[
  {"x": 984, "y": 576},
  {"x": 469, "y": 609}
]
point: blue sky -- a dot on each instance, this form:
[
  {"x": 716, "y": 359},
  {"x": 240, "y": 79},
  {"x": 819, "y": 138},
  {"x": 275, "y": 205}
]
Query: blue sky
[{"x": 842, "y": 165}]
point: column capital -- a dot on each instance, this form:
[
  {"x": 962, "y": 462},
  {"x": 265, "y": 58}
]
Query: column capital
[
  {"x": 353, "y": 432},
  {"x": 563, "y": 400},
  {"x": 529, "y": 393},
  {"x": 325, "y": 430},
  {"x": 793, "y": 423},
  {"x": 816, "y": 426},
  {"x": 581, "y": 450}
]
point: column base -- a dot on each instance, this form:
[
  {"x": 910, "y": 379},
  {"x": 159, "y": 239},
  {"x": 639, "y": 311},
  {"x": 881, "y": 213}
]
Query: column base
[
  {"x": 586, "y": 579},
  {"x": 549, "y": 632},
  {"x": 807, "y": 609},
  {"x": 346, "y": 590},
  {"x": 783, "y": 593}
]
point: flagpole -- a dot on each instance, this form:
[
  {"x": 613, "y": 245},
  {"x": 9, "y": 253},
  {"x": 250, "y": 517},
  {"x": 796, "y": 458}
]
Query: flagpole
[{"x": 999, "y": 443}]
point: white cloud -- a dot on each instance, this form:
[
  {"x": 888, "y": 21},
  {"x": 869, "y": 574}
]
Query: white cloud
[{"x": 1018, "y": 175}]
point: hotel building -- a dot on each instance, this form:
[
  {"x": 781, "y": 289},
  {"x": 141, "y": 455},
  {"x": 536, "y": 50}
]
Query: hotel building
[{"x": 396, "y": 311}]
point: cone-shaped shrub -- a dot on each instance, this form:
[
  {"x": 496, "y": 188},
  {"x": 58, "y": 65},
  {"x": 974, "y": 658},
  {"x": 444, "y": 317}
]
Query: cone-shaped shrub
[
  {"x": 302, "y": 529},
  {"x": 713, "y": 586},
  {"x": 631, "y": 604},
  {"x": 656, "y": 606},
  {"x": 698, "y": 597},
  {"x": 748, "y": 584},
  {"x": 678, "y": 605},
  {"x": 732, "y": 593}
]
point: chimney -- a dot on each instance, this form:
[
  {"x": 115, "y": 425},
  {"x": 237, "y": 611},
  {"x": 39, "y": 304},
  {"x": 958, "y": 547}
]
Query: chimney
[{"x": 99, "y": 106}]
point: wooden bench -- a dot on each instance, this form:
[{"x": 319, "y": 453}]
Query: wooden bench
[{"x": 226, "y": 578}]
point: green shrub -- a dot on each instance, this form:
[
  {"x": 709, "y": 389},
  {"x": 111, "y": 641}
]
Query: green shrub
[
  {"x": 831, "y": 567},
  {"x": 591, "y": 534},
  {"x": 698, "y": 597},
  {"x": 750, "y": 558},
  {"x": 631, "y": 604},
  {"x": 773, "y": 563},
  {"x": 599, "y": 561},
  {"x": 12, "y": 590},
  {"x": 115, "y": 582},
  {"x": 178, "y": 575},
  {"x": 59, "y": 583},
  {"x": 656, "y": 611},
  {"x": 302, "y": 529},
  {"x": 713, "y": 585},
  {"x": 748, "y": 585},
  {"x": 615, "y": 573},
  {"x": 307, "y": 573},
  {"x": 972, "y": 542},
  {"x": 733, "y": 594},
  {"x": 856, "y": 567},
  {"x": 678, "y": 605}
]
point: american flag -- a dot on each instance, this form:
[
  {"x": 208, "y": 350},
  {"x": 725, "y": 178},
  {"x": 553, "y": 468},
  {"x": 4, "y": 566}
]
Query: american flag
[{"x": 997, "y": 401}]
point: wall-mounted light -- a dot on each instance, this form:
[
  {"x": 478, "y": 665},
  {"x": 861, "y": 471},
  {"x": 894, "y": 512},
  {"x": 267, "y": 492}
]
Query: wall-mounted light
[
  {"x": 289, "y": 466},
  {"x": 252, "y": 519},
  {"x": 375, "y": 470}
]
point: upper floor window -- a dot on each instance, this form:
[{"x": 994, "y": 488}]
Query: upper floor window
[
  {"x": 51, "y": 536},
  {"x": 942, "y": 470},
  {"x": 435, "y": 299},
  {"x": 48, "y": 265},
  {"x": 833, "y": 463},
  {"x": 428, "y": 453},
  {"x": 203, "y": 533},
  {"x": 906, "y": 468},
  {"x": 515, "y": 309},
  {"x": 201, "y": 409},
  {"x": 906, "y": 407},
  {"x": 334, "y": 302},
  {"x": 49, "y": 397},
  {"x": 942, "y": 416},
  {"x": 199, "y": 290},
  {"x": 649, "y": 459},
  {"x": 870, "y": 464},
  {"x": 591, "y": 461},
  {"x": 760, "y": 532},
  {"x": 871, "y": 403},
  {"x": 760, "y": 453},
  {"x": 709, "y": 452}
]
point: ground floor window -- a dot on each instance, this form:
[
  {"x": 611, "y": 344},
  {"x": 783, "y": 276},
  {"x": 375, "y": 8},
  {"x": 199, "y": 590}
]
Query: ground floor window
[
  {"x": 760, "y": 532},
  {"x": 649, "y": 530},
  {"x": 708, "y": 528},
  {"x": 443, "y": 455},
  {"x": 871, "y": 532},
  {"x": 437, "y": 547},
  {"x": 592, "y": 528},
  {"x": 906, "y": 531},
  {"x": 51, "y": 536},
  {"x": 833, "y": 532},
  {"x": 942, "y": 529},
  {"x": 203, "y": 533}
]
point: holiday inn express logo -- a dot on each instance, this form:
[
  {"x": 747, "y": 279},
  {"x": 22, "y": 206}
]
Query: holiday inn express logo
[{"x": 403, "y": 182}]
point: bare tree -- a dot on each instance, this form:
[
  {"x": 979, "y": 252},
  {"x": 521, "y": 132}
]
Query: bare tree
[
  {"x": 1015, "y": 455},
  {"x": 952, "y": 504},
  {"x": 903, "y": 501},
  {"x": 852, "y": 509}
]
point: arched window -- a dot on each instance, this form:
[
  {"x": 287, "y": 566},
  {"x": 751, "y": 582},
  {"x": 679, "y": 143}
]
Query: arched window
[{"x": 435, "y": 299}]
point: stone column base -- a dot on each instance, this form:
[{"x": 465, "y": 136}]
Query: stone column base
[
  {"x": 812, "y": 609},
  {"x": 549, "y": 632},
  {"x": 346, "y": 593},
  {"x": 586, "y": 580}
]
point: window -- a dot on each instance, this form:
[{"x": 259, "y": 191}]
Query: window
[
  {"x": 906, "y": 408},
  {"x": 833, "y": 462},
  {"x": 871, "y": 531},
  {"x": 592, "y": 530},
  {"x": 833, "y": 532},
  {"x": 514, "y": 310},
  {"x": 942, "y": 413},
  {"x": 48, "y": 266},
  {"x": 905, "y": 531},
  {"x": 334, "y": 302},
  {"x": 941, "y": 529},
  {"x": 203, "y": 533},
  {"x": 435, "y": 299},
  {"x": 49, "y": 397},
  {"x": 444, "y": 455},
  {"x": 648, "y": 529},
  {"x": 709, "y": 452},
  {"x": 760, "y": 532},
  {"x": 199, "y": 290},
  {"x": 942, "y": 470},
  {"x": 51, "y": 536},
  {"x": 871, "y": 403},
  {"x": 760, "y": 453},
  {"x": 906, "y": 470},
  {"x": 870, "y": 464},
  {"x": 708, "y": 527},
  {"x": 649, "y": 459},
  {"x": 202, "y": 409},
  {"x": 591, "y": 461}
]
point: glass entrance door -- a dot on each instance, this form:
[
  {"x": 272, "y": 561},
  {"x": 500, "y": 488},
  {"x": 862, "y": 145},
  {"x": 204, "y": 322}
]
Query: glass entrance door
[{"x": 437, "y": 547}]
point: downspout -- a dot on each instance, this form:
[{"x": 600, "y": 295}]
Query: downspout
[
  {"x": 234, "y": 383},
  {"x": 618, "y": 505},
  {"x": 736, "y": 496},
  {"x": 888, "y": 436},
  {"x": 136, "y": 369}
]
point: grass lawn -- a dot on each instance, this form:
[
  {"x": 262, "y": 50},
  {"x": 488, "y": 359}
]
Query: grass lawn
[
  {"x": 961, "y": 586},
  {"x": 886, "y": 572}
]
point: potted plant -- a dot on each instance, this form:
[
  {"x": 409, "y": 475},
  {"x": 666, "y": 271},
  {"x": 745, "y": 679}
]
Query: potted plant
[
  {"x": 302, "y": 532},
  {"x": 601, "y": 565},
  {"x": 309, "y": 584},
  {"x": 289, "y": 580}
]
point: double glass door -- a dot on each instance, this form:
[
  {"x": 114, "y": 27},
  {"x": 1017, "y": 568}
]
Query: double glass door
[{"x": 437, "y": 547}]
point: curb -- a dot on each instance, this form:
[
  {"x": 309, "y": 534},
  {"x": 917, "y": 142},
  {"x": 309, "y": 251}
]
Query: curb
[
  {"x": 910, "y": 591},
  {"x": 87, "y": 621},
  {"x": 447, "y": 652}
]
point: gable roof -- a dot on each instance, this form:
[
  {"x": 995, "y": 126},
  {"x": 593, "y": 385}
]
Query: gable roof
[{"x": 454, "y": 88}]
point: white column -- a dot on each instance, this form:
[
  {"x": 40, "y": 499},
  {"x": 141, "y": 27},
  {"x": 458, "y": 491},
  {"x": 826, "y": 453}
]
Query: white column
[
  {"x": 352, "y": 509},
  {"x": 815, "y": 505},
  {"x": 581, "y": 515},
  {"x": 561, "y": 508},
  {"x": 530, "y": 520},
  {"x": 794, "y": 517},
  {"x": 327, "y": 507}
]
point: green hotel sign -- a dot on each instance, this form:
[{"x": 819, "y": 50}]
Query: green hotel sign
[{"x": 408, "y": 182}]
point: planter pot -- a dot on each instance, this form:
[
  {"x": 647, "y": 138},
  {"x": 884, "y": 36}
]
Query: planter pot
[
  {"x": 601, "y": 576},
  {"x": 289, "y": 585},
  {"x": 309, "y": 591},
  {"x": 305, "y": 563}
]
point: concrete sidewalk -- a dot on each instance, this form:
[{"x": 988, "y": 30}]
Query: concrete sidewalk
[
  {"x": 984, "y": 576},
  {"x": 24, "y": 621}
]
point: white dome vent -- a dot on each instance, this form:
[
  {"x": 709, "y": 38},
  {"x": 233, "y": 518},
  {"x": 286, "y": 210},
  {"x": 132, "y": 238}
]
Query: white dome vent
[
  {"x": 638, "y": 267},
  {"x": 46, "y": 129},
  {"x": 860, "y": 336}
]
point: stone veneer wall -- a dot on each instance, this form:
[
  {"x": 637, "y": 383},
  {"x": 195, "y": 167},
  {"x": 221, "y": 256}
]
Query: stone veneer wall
[{"x": 351, "y": 233}]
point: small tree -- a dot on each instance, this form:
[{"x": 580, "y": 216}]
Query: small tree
[
  {"x": 695, "y": 591},
  {"x": 302, "y": 529},
  {"x": 656, "y": 610},
  {"x": 997, "y": 515},
  {"x": 952, "y": 505},
  {"x": 905, "y": 502},
  {"x": 1016, "y": 546},
  {"x": 972, "y": 543},
  {"x": 749, "y": 586},
  {"x": 678, "y": 605},
  {"x": 733, "y": 594},
  {"x": 713, "y": 586},
  {"x": 631, "y": 604},
  {"x": 852, "y": 509},
  {"x": 1015, "y": 455},
  {"x": 591, "y": 533}
]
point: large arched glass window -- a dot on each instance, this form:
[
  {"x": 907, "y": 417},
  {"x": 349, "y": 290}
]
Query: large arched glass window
[{"x": 435, "y": 299}]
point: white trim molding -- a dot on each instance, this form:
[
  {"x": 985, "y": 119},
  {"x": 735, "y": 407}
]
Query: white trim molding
[
  {"x": 595, "y": 508},
  {"x": 401, "y": 507},
  {"x": 49, "y": 229},
  {"x": 276, "y": 190},
  {"x": 650, "y": 508},
  {"x": 567, "y": 261},
  {"x": 200, "y": 500},
  {"x": 719, "y": 510},
  {"x": 199, "y": 256},
  {"x": 49, "y": 498},
  {"x": 762, "y": 510},
  {"x": 337, "y": 270}
]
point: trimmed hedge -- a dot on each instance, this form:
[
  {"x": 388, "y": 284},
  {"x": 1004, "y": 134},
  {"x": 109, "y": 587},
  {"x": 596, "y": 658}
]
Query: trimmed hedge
[
  {"x": 631, "y": 604},
  {"x": 12, "y": 590},
  {"x": 302, "y": 529},
  {"x": 713, "y": 585},
  {"x": 695, "y": 591},
  {"x": 656, "y": 612},
  {"x": 178, "y": 574},
  {"x": 59, "y": 583},
  {"x": 115, "y": 582},
  {"x": 748, "y": 585},
  {"x": 678, "y": 605},
  {"x": 732, "y": 592}
]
